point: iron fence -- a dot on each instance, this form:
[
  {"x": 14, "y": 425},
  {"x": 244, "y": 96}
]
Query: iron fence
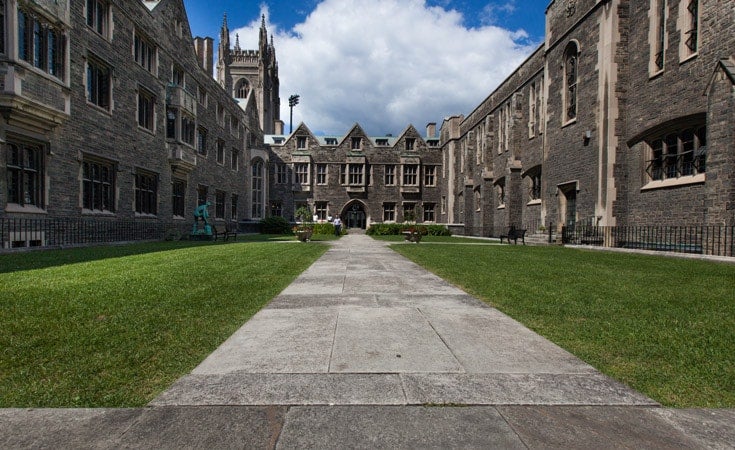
[
  {"x": 704, "y": 240},
  {"x": 59, "y": 232}
]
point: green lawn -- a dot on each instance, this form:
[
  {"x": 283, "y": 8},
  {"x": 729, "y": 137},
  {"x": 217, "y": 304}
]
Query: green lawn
[
  {"x": 438, "y": 239},
  {"x": 114, "y": 326},
  {"x": 664, "y": 326}
]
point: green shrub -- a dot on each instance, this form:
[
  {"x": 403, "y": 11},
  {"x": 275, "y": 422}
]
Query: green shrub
[
  {"x": 275, "y": 225},
  {"x": 323, "y": 228},
  {"x": 387, "y": 229}
]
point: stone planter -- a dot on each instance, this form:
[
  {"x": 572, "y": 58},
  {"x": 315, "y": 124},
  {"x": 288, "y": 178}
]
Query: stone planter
[{"x": 303, "y": 235}]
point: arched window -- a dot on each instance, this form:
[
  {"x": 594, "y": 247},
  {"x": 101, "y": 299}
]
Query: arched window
[
  {"x": 242, "y": 89},
  {"x": 570, "y": 81},
  {"x": 257, "y": 189}
]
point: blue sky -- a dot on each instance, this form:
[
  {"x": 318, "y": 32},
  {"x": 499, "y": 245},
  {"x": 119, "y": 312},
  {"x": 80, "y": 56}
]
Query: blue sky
[{"x": 382, "y": 63}]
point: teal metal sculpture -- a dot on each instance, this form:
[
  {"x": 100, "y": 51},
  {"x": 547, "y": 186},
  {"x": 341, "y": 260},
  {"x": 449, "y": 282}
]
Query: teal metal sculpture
[{"x": 204, "y": 231}]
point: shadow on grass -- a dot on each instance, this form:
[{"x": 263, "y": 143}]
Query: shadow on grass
[{"x": 40, "y": 259}]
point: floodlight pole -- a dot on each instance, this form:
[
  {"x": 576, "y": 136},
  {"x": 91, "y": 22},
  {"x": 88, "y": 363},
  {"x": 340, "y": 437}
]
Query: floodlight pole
[{"x": 292, "y": 101}]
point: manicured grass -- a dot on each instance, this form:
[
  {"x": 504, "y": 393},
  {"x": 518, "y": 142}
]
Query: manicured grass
[
  {"x": 114, "y": 326},
  {"x": 664, "y": 326},
  {"x": 436, "y": 239}
]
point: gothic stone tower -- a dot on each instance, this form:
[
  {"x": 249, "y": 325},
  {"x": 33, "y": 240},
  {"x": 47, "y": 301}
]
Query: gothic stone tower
[{"x": 251, "y": 72}]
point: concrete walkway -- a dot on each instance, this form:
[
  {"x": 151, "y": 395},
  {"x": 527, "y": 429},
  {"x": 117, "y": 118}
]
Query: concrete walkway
[{"x": 367, "y": 350}]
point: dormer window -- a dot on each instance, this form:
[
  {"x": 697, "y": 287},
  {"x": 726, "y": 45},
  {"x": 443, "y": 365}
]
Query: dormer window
[
  {"x": 331, "y": 141},
  {"x": 301, "y": 142},
  {"x": 356, "y": 143},
  {"x": 382, "y": 142}
]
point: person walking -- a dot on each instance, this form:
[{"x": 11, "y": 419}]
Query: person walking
[{"x": 337, "y": 226}]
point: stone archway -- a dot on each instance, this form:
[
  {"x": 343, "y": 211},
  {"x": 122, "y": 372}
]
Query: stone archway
[{"x": 353, "y": 215}]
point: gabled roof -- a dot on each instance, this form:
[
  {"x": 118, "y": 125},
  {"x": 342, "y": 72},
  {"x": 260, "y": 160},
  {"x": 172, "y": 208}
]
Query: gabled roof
[
  {"x": 301, "y": 130},
  {"x": 151, "y": 4},
  {"x": 410, "y": 131},
  {"x": 727, "y": 66},
  {"x": 355, "y": 131}
]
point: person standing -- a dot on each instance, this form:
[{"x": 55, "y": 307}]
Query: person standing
[{"x": 337, "y": 226}]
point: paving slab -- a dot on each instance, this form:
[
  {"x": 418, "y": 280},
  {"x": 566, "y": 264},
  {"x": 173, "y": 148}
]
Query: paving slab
[
  {"x": 593, "y": 427},
  {"x": 487, "y": 341},
  {"x": 284, "y": 389},
  {"x": 388, "y": 340},
  {"x": 277, "y": 341},
  {"x": 287, "y": 301},
  {"x": 519, "y": 389},
  {"x": 709, "y": 428},
  {"x": 204, "y": 427},
  {"x": 64, "y": 428},
  {"x": 396, "y": 427}
]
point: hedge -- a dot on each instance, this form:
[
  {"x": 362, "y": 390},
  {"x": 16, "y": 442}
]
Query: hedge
[{"x": 384, "y": 229}]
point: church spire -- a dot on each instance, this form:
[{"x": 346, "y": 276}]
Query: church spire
[
  {"x": 263, "y": 44},
  {"x": 224, "y": 76},
  {"x": 224, "y": 34},
  {"x": 237, "y": 42}
]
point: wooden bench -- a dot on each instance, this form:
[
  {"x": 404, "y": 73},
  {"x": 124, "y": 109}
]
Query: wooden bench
[
  {"x": 515, "y": 234},
  {"x": 225, "y": 232}
]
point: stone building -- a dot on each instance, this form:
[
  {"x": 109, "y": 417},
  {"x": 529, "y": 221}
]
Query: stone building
[
  {"x": 246, "y": 73},
  {"x": 108, "y": 112},
  {"x": 624, "y": 116},
  {"x": 360, "y": 178}
]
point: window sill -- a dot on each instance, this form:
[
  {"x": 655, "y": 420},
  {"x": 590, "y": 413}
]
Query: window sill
[
  {"x": 25, "y": 209},
  {"x": 688, "y": 58},
  {"x": 569, "y": 123},
  {"x": 38, "y": 71},
  {"x": 502, "y": 206},
  {"x": 145, "y": 216},
  {"x": 98, "y": 108},
  {"x": 657, "y": 74},
  {"x": 675, "y": 182},
  {"x": 97, "y": 213},
  {"x": 533, "y": 202},
  {"x": 146, "y": 130}
]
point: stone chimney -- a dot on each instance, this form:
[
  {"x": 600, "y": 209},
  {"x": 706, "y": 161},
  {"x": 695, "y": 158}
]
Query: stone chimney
[
  {"x": 431, "y": 130},
  {"x": 279, "y": 127},
  {"x": 204, "y": 48}
]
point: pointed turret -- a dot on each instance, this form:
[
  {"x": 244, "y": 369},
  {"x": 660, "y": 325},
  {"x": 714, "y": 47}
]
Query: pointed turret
[
  {"x": 263, "y": 44},
  {"x": 224, "y": 58}
]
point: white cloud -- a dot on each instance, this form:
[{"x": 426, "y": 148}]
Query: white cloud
[
  {"x": 493, "y": 12},
  {"x": 386, "y": 64}
]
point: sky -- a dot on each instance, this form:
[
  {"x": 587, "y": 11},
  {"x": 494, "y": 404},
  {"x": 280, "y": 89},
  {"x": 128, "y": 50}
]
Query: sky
[{"x": 384, "y": 64}]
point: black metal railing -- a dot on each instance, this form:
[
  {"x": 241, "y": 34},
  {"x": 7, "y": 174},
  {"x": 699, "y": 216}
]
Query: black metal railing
[
  {"x": 23, "y": 233},
  {"x": 704, "y": 240}
]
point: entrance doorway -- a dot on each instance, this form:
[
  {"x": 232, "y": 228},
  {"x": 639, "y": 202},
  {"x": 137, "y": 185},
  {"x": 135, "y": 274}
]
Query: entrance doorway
[
  {"x": 568, "y": 204},
  {"x": 354, "y": 216}
]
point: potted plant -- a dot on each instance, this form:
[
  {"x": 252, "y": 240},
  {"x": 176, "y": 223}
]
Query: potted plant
[{"x": 304, "y": 230}]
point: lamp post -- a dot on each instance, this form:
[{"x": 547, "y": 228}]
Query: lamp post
[{"x": 292, "y": 101}]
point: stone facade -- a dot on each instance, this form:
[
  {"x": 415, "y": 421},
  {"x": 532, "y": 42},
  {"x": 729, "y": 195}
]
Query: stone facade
[
  {"x": 129, "y": 125},
  {"x": 360, "y": 178},
  {"x": 624, "y": 116},
  {"x": 246, "y": 73}
]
